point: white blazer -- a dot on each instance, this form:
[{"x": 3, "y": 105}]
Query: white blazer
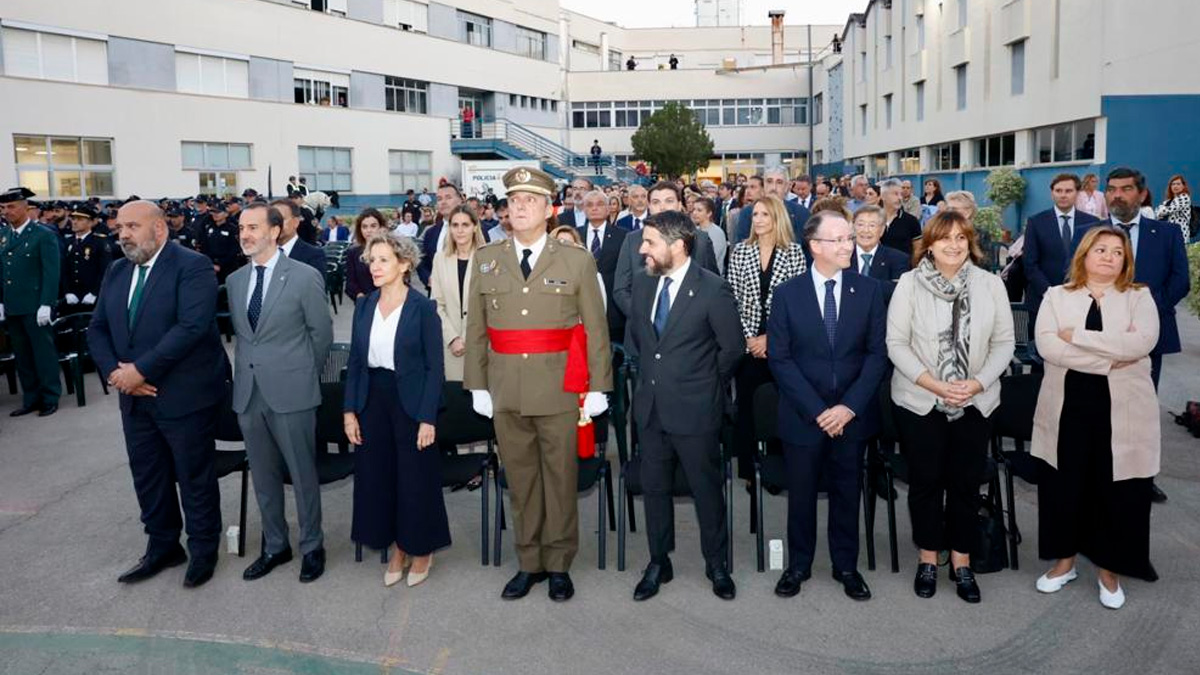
[{"x": 443, "y": 289}]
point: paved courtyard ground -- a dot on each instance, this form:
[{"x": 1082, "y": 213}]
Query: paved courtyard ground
[{"x": 69, "y": 525}]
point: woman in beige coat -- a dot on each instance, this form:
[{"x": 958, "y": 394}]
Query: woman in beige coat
[
  {"x": 1097, "y": 419},
  {"x": 448, "y": 283}
]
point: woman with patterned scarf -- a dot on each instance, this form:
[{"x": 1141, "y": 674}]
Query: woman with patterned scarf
[{"x": 950, "y": 337}]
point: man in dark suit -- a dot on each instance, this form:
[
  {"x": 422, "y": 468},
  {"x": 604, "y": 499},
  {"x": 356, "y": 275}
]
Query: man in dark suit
[
  {"x": 604, "y": 241},
  {"x": 684, "y": 324},
  {"x": 663, "y": 196},
  {"x": 638, "y": 200},
  {"x": 154, "y": 334},
  {"x": 826, "y": 349},
  {"x": 449, "y": 197},
  {"x": 1050, "y": 240},
  {"x": 293, "y": 246},
  {"x": 575, "y": 216},
  {"x": 802, "y": 189},
  {"x": 870, "y": 258},
  {"x": 773, "y": 182}
]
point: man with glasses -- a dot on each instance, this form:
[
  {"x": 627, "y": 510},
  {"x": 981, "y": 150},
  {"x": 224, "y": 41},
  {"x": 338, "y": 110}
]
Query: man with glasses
[
  {"x": 826, "y": 348},
  {"x": 870, "y": 259}
]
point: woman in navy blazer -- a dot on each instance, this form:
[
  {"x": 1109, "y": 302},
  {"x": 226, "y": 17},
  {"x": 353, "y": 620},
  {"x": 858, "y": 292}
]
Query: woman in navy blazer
[{"x": 393, "y": 389}]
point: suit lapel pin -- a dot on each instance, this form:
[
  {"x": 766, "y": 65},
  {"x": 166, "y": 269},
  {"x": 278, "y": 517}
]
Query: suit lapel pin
[
  {"x": 690, "y": 293},
  {"x": 851, "y": 290}
]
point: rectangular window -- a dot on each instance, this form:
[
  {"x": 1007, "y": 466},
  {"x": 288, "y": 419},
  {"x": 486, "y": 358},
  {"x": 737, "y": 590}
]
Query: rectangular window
[
  {"x": 887, "y": 51},
  {"x": 962, "y": 13},
  {"x": 946, "y": 157},
  {"x": 862, "y": 119},
  {"x": 919, "y": 95},
  {"x": 818, "y": 108},
  {"x": 586, "y": 47},
  {"x": 327, "y": 168},
  {"x": 408, "y": 170},
  {"x": 65, "y": 166},
  {"x": 474, "y": 29},
  {"x": 218, "y": 183},
  {"x": 960, "y": 87},
  {"x": 1074, "y": 141},
  {"x": 1018, "y": 68},
  {"x": 227, "y": 156},
  {"x": 910, "y": 160},
  {"x": 315, "y": 87},
  {"x": 887, "y": 110},
  {"x": 614, "y": 60},
  {"x": 995, "y": 150},
  {"x": 406, "y": 15},
  {"x": 531, "y": 43},
  {"x": 404, "y": 95},
  {"x": 211, "y": 75},
  {"x": 920, "y": 32},
  {"x": 50, "y": 56}
]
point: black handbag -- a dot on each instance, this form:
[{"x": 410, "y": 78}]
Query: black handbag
[{"x": 989, "y": 550}]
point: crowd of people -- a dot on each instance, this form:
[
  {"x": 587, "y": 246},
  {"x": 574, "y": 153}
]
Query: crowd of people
[{"x": 832, "y": 292}]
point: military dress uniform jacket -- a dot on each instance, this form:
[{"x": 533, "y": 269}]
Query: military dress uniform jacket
[
  {"x": 86, "y": 262},
  {"x": 30, "y": 264},
  {"x": 560, "y": 292}
]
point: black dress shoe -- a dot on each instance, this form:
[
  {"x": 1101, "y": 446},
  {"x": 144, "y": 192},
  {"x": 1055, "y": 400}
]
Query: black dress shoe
[
  {"x": 964, "y": 579},
  {"x": 519, "y": 586},
  {"x": 1157, "y": 495},
  {"x": 722, "y": 584},
  {"x": 48, "y": 410},
  {"x": 265, "y": 563},
  {"x": 200, "y": 570},
  {"x": 151, "y": 565},
  {"x": 655, "y": 575},
  {"x": 925, "y": 585},
  {"x": 561, "y": 588},
  {"x": 24, "y": 410},
  {"x": 313, "y": 565},
  {"x": 789, "y": 583},
  {"x": 853, "y": 583}
]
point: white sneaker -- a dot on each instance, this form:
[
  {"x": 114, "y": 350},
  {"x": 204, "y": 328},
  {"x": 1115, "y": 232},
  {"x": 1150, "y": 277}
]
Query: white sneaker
[
  {"x": 1048, "y": 584},
  {"x": 1111, "y": 599}
]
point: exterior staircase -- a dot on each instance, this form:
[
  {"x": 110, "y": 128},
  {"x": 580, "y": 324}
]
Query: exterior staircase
[{"x": 503, "y": 139}]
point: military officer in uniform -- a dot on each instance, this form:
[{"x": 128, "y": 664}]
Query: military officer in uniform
[
  {"x": 537, "y": 358},
  {"x": 221, "y": 244},
  {"x": 88, "y": 256},
  {"x": 29, "y": 272}
]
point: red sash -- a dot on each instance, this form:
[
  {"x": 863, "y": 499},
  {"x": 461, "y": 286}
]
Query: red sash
[{"x": 575, "y": 380}]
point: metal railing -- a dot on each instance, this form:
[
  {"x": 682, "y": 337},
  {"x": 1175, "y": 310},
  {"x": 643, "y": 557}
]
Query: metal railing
[{"x": 541, "y": 148}]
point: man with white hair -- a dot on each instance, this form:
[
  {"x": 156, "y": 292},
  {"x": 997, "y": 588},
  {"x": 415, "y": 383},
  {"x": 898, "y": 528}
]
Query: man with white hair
[
  {"x": 575, "y": 215},
  {"x": 775, "y": 181},
  {"x": 858, "y": 192}
]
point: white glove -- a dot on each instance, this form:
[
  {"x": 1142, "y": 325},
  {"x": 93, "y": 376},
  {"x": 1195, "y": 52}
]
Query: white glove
[
  {"x": 89, "y": 299},
  {"x": 594, "y": 404},
  {"x": 1, "y": 312},
  {"x": 43, "y": 315},
  {"x": 481, "y": 401},
  {"x": 71, "y": 299}
]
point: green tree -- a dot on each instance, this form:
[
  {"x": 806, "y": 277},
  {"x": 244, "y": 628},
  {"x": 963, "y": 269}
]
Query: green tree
[{"x": 673, "y": 141}]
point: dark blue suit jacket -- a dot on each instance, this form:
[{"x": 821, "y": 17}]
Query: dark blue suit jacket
[
  {"x": 813, "y": 376},
  {"x": 418, "y": 357},
  {"x": 798, "y": 213},
  {"x": 887, "y": 265},
  {"x": 627, "y": 221},
  {"x": 428, "y": 249},
  {"x": 310, "y": 255},
  {"x": 1044, "y": 259},
  {"x": 1161, "y": 263},
  {"x": 174, "y": 341}
]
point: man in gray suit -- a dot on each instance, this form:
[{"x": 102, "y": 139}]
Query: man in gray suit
[{"x": 284, "y": 330}]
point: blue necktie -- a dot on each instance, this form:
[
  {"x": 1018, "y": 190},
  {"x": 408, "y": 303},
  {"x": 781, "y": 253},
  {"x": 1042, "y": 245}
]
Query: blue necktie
[
  {"x": 830, "y": 311},
  {"x": 1066, "y": 233},
  {"x": 595, "y": 242},
  {"x": 256, "y": 298},
  {"x": 664, "y": 307}
]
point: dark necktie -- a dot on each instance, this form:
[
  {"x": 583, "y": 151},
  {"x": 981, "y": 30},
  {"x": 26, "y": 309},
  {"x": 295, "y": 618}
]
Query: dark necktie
[
  {"x": 830, "y": 311},
  {"x": 1066, "y": 232},
  {"x": 525, "y": 268},
  {"x": 637, "y": 223},
  {"x": 256, "y": 298},
  {"x": 664, "y": 307},
  {"x": 595, "y": 242},
  {"x": 866, "y": 266},
  {"x": 136, "y": 300}
]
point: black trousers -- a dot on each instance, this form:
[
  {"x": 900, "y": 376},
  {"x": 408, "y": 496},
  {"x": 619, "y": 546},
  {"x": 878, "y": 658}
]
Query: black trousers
[
  {"x": 946, "y": 462},
  {"x": 836, "y": 465},
  {"x": 700, "y": 457},
  {"x": 751, "y": 374},
  {"x": 37, "y": 360},
  {"x": 397, "y": 488},
  {"x": 163, "y": 452}
]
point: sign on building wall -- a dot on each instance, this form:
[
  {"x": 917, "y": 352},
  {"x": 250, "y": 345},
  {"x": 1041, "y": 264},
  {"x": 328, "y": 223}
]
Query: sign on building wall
[{"x": 481, "y": 178}]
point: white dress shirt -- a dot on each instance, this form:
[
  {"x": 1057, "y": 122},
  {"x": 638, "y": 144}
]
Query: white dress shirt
[
  {"x": 676, "y": 281},
  {"x": 287, "y": 248},
  {"x": 17, "y": 231},
  {"x": 580, "y": 217},
  {"x": 536, "y": 248},
  {"x": 638, "y": 219},
  {"x": 1058, "y": 216},
  {"x": 270, "y": 265},
  {"x": 149, "y": 268},
  {"x": 819, "y": 284},
  {"x": 1133, "y": 231},
  {"x": 381, "y": 349},
  {"x": 862, "y": 265},
  {"x": 594, "y": 233}
]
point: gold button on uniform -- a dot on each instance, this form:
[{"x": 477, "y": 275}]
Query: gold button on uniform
[
  {"x": 524, "y": 356},
  {"x": 524, "y": 312},
  {"x": 525, "y": 290}
]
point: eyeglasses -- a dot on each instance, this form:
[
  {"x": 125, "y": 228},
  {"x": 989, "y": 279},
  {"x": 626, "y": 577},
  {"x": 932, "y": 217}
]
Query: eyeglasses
[{"x": 840, "y": 241}]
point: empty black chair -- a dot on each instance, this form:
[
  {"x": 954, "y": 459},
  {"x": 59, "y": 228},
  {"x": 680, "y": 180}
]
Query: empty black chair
[
  {"x": 335, "y": 363},
  {"x": 882, "y": 456},
  {"x": 459, "y": 424},
  {"x": 70, "y": 340},
  {"x": 230, "y": 461},
  {"x": 1014, "y": 419},
  {"x": 1022, "y": 355}
]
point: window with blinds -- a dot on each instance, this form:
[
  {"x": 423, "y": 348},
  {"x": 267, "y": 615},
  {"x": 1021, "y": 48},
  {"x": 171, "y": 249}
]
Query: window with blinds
[
  {"x": 212, "y": 75},
  {"x": 50, "y": 56}
]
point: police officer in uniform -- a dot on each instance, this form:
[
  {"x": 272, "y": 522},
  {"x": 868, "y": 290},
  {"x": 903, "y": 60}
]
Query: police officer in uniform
[
  {"x": 221, "y": 244},
  {"x": 535, "y": 318},
  {"x": 29, "y": 273},
  {"x": 178, "y": 229},
  {"x": 88, "y": 256}
]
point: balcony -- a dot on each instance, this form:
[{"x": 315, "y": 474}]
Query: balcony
[
  {"x": 1015, "y": 21},
  {"x": 958, "y": 47}
]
